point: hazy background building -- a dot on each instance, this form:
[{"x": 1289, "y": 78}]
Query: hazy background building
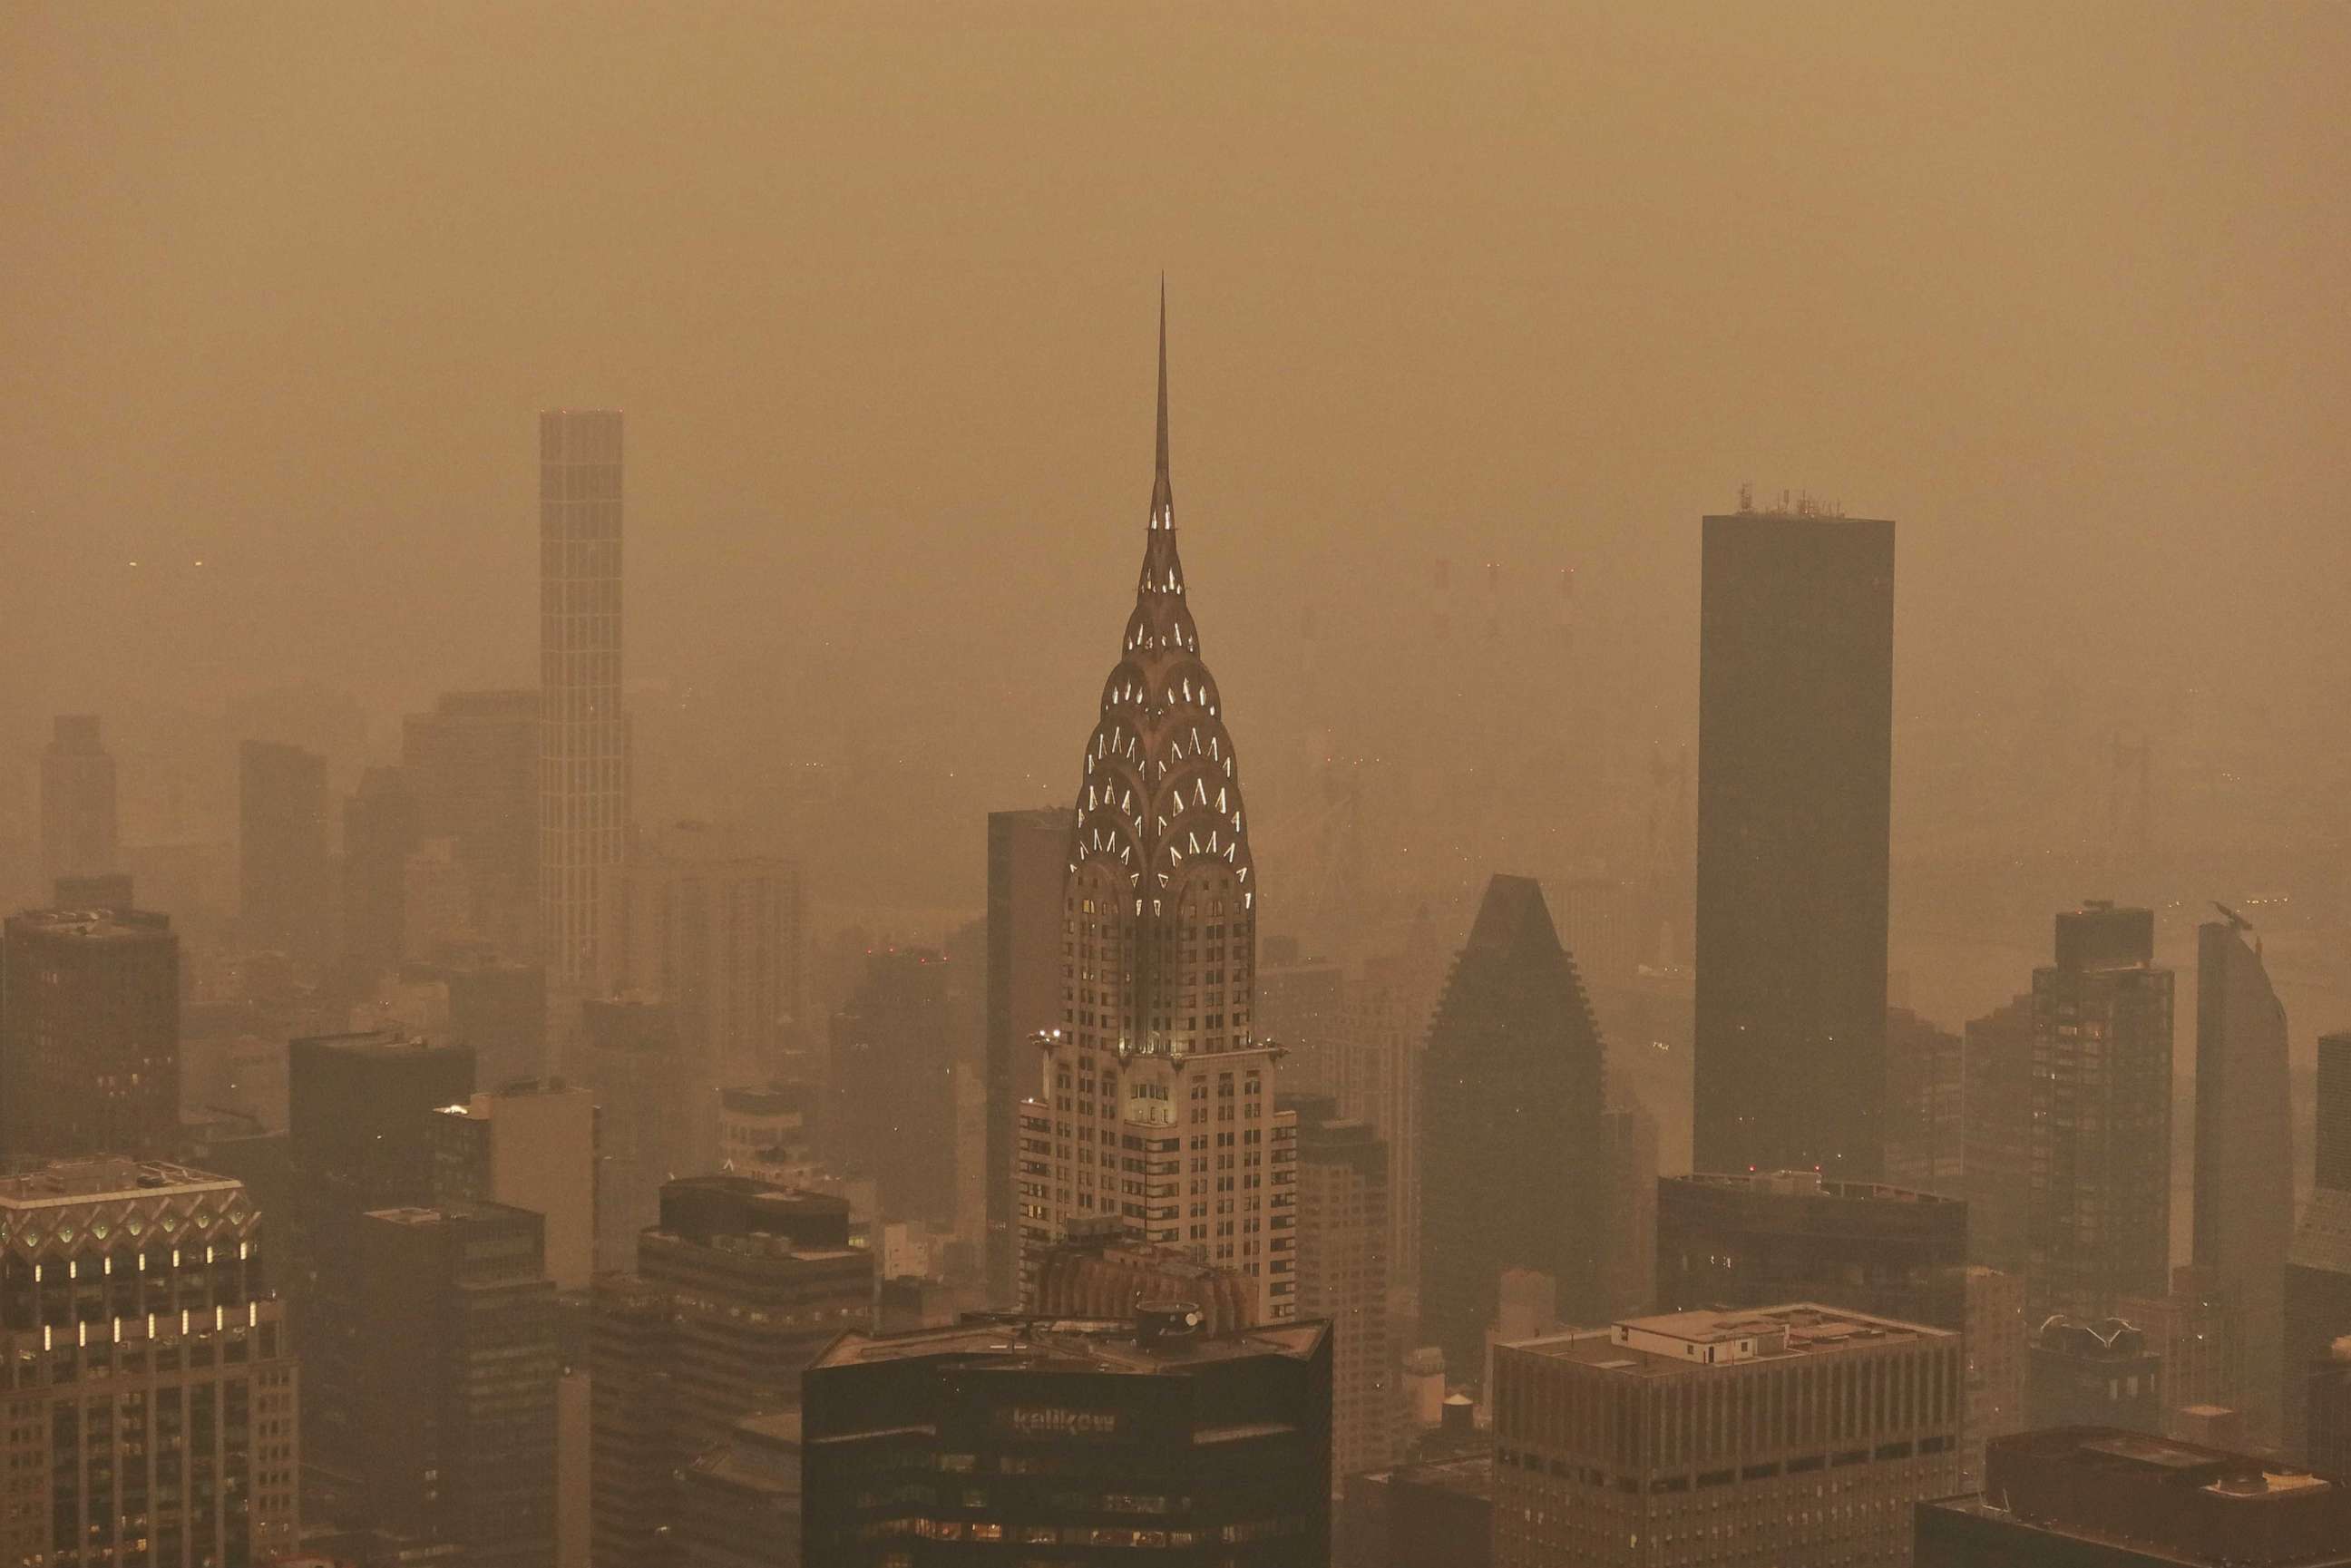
[
  {"x": 2317, "y": 1304},
  {"x": 583, "y": 733},
  {"x": 285, "y": 898},
  {"x": 2099, "y": 1142},
  {"x": 1027, "y": 859},
  {"x": 79, "y": 818},
  {"x": 1794, "y": 791},
  {"x": 1512, "y": 1173}
]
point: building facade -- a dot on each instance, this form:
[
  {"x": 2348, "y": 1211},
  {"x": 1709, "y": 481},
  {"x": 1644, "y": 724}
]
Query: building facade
[
  {"x": 2099, "y": 1141},
  {"x": 1512, "y": 1173},
  {"x": 1925, "y": 1097},
  {"x": 472, "y": 766},
  {"x": 284, "y": 894},
  {"x": 458, "y": 1372},
  {"x": 1997, "y": 1341},
  {"x": 1746, "y": 1240},
  {"x": 583, "y": 735},
  {"x": 1028, "y": 860},
  {"x": 1156, "y": 1098},
  {"x": 77, "y": 806},
  {"x": 738, "y": 1289},
  {"x": 529, "y": 1144},
  {"x": 89, "y": 1035},
  {"x": 1792, "y": 1435},
  {"x": 2088, "y": 1497},
  {"x": 1998, "y": 1135},
  {"x": 2244, "y": 1156},
  {"x": 893, "y": 1112},
  {"x": 357, "y": 1142},
  {"x": 2317, "y": 1304},
  {"x": 151, "y": 1411},
  {"x": 2100, "y": 1373},
  {"x": 1794, "y": 796},
  {"x": 1343, "y": 1279},
  {"x": 1063, "y": 1440}
]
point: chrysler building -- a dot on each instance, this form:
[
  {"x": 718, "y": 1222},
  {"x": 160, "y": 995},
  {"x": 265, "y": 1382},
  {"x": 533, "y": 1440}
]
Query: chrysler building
[{"x": 1156, "y": 1100}]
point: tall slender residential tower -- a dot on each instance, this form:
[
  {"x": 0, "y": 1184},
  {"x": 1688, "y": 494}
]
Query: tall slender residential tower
[
  {"x": 1027, "y": 861},
  {"x": 583, "y": 738},
  {"x": 2244, "y": 1152},
  {"x": 1156, "y": 1100},
  {"x": 1795, "y": 757}
]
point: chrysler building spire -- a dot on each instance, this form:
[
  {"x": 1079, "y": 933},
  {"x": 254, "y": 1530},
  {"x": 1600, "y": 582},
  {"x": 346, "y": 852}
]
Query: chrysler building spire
[{"x": 1159, "y": 976}]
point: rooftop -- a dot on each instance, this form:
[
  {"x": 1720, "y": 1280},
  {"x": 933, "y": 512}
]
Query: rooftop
[
  {"x": 1010, "y": 1341},
  {"x": 96, "y": 924},
  {"x": 1810, "y": 1184},
  {"x": 75, "y": 1182},
  {"x": 1671, "y": 1343}
]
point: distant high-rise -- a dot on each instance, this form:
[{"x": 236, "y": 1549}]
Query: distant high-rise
[
  {"x": 1997, "y": 1342},
  {"x": 2093, "y": 1373},
  {"x": 583, "y": 735},
  {"x": 2099, "y": 1143},
  {"x": 648, "y": 1118},
  {"x": 282, "y": 868},
  {"x": 472, "y": 766},
  {"x": 2244, "y": 1152},
  {"x": 1512, "y": 1168},
  {"x": 1343, "y": 1279},
  {"x": 1027, "y": 859},
  {"x": 151, "y": 1409},
  {"x": 1114, "y": 1441},
  {"x": 1794, "y": 795},
  {"x": 456, "y": 1392},
  {"x": 707, "y": 922},
  {"x": 1783, "y": 1236},
  {"x": 2317, "y": 1310},
  {"x": 893, "y": 1112},
  {"x": 1158, "y": 1049},
  {"x": 2196, "y": 1328},
  {"x": 1628, "y": 1239},
  {"x": 78, "y": 812},
  {"x": 1996, "y": 1135},
  {"x": 89, "y": 1035},
  {"x": 529, "y": 1144},
  {"x": 357, "y": 1142},
  {"x": 379, "y": 830},
  {"x": 1925, "y": 1093}
]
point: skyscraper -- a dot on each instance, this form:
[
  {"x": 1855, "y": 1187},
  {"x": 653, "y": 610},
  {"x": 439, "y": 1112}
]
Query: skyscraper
[
  {"x": 357, "y": 1142},
  {"x": 2318, "y": 1265},
  {"x": 151, "y": 1409},
  {"x": 893, "y": 1112},
  {"x": 1157, "y": 1046},
  {"x": 472, "y": 765},
  {"x": 1027, "y": 859},
  {"x": 1512, "y": 1173},
  {"x": 1925, "y": 1094},
  {"x": 1343, "y": 1279},
  {"x": 2099, "y": 1143},
  {"x": 89, "y": 1035},
  {"x": 739, "y": 1287},
  {"x": 1781, "y": 1236},
  {"x": 77, "y": 816},
  {"x": 2244, "y": 1153},
  {"x": 706, "y": 921},
  {"x": 1794, "y": 791},
  {"x": 457, "y": 1381},
  {"x": 379, "y": 829},
  {"x": 528, "y": 1144},
  {"x": 1996, "y": 1116},
  {"x": 281, "y": 845},
  {"x": 583, "y": 736}
]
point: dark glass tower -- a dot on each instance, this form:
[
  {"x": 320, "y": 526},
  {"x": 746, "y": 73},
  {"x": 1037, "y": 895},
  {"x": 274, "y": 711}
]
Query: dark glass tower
[
  {"x": 2245, "y": 1150},
  {"x": 1028, "y": 856},
  {"x": 1795, "y": 770},
  {"x": 1510, "y": 1101}
]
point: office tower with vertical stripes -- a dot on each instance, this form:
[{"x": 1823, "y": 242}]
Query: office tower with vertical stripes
[{"x": 583, "y": 737}]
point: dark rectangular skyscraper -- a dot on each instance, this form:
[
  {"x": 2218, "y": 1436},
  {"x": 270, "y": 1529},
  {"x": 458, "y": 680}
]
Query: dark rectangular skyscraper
[
  {"x": 1795, "y": 766},
  {"x": 281, "y": 849},
  {"x": 1028, "y": 857},
  {"x": 2244, "y": 1151},
  {"x": 89, "y": 1035}
]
